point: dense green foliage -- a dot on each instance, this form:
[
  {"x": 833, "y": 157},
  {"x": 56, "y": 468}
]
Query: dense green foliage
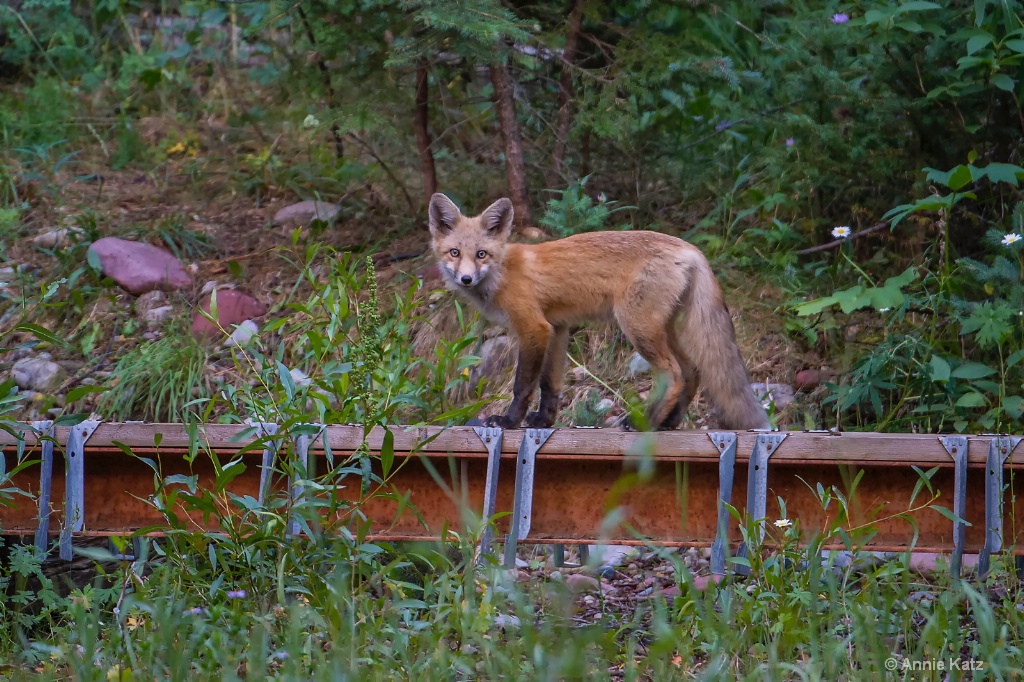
[{"x": 760, "y": 131}]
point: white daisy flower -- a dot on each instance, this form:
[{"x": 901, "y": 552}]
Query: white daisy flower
[
  {"x": 783, "y": 523},
  {"x": 841, "y": 232},
  {"x": 1011, "y": 238}
]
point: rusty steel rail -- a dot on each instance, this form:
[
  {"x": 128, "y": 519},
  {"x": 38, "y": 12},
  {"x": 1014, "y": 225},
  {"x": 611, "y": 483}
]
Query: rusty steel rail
[{"x": 566, "y": 483}]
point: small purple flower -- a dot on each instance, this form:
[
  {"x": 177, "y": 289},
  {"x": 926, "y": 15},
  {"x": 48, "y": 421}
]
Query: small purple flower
[
  {"x": 194, "y": 611},
  {"x": 840, "y": 18},
  {"x": 723, "y": 125},
  {"x": 789, "y": 141},
  {"x": 236, "y": 594}
]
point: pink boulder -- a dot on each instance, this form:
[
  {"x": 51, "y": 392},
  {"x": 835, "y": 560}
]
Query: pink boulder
[
  {"x": 233, "y": 307},
  {"x": 139, "y": 267}
]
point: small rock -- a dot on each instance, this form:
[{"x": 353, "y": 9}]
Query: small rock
[
  {"x": 782, "y": 394},
  {"x": 503, "y": 621},
  {"x": 522, "y": 563},
  {"x": 605, "y": 405},
  {"x": 139, "y": 267},
  {"x": 148, "y": 303},
  {"x": 638, "y": 365},
  {"x": 555, "y": 575},
  {"x": 233, "y": 307},
  {"x": 532, "y": 233},
  {"x": 606, "y": 572},
  {"x": 807, "y": 379},
  {"x": 615, "y": 555},
  {"x": 55, "y": 238},
  {"x": 923, "y": 596},
  {"x": 158, "y": 316},
  {"x": 37, "y": 373},
  {"x": 702, "y": 582},
  {"x": 577, "y": 582},
  {"x": 149, "y": 300},
  {"x": 300, "y": 378},
  {"x": 242, "y": 334},
  {"x": 150, "y": 336},
  {"x": 304, "y": 212},
  {"x": 578, "y": 373}
]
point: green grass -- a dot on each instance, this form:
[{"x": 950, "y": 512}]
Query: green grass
[
  {"x": 156, "y": 379},
  {"x": 327, "y": 610}
]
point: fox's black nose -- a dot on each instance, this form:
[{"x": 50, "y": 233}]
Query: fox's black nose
[{"x": 467, "y": 280}]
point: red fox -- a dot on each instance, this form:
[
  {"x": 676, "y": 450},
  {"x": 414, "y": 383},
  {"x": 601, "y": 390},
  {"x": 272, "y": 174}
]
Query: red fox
[{"x": 642, "y": 280}]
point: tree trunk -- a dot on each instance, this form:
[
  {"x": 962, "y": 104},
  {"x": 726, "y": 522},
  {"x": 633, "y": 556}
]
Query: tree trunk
[
  {"x": 515, "y": 166},
  {"x": 423, "y": 140},
  {"x": 565, "y": 95}
]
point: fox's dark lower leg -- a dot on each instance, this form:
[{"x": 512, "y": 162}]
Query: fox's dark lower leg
[
  {"x": 532, "y": 349},
  {"x": 551, "y": 375}
]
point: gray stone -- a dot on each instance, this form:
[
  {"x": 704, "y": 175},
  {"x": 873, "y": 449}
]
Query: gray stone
[
  {"x": 57, "y": 237},
  {"x": 300, "y": 378},
  {"x": 503, "y": 621},
  {"x": 37, "y": 373},
  {"x": 157, "y": 316},
  {"x": 243, "y": 334},
  {"x": 782, "y": 394},
  {"x": 304, "y": 212},
  {"x": 614, "y": 555},
  {"x": 638, "y": 365}
]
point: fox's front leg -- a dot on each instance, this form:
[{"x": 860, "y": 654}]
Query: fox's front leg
[
  {"x": 551, "y": 375},
  {"x": 533, "y": 347}
]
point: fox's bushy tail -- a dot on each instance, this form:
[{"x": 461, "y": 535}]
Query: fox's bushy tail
[{"x": 709, "y": 340}]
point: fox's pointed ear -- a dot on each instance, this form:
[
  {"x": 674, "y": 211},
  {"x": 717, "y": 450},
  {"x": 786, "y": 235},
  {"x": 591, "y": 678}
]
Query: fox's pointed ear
[
  {"x": 498, "y": 216},
  {"x": 441, "y": 214}
]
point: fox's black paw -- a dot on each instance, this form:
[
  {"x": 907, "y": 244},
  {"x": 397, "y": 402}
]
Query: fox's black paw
[
  {"x": 627, "y": 424},
  {"x": 501, "y": 421},
  {"x": 536, "y": 420}
]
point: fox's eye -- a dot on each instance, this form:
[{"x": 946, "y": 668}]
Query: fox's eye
[
  {"x": 454, "y": 253},
  {"x": 481, "y": 254}
]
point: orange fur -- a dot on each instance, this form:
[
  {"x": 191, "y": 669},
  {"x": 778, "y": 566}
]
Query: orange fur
[{"x": 641, "y": 280}]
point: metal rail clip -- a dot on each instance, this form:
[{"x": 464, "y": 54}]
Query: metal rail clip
[
  {"x": 491, "y": 437},
  {"x": 305, "y": 470},
  {"x": 957, "y": 446},
  {"x": 757, "y": 487},
  {"x": 269, "y": 456},
  {"x": 44, "y": 429},
  {"x": 726, "y": 445},
  {"x": 999, "y": 449},
  {"x": 522, "y": 508},
  {"x": 74, "y": 484}
]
